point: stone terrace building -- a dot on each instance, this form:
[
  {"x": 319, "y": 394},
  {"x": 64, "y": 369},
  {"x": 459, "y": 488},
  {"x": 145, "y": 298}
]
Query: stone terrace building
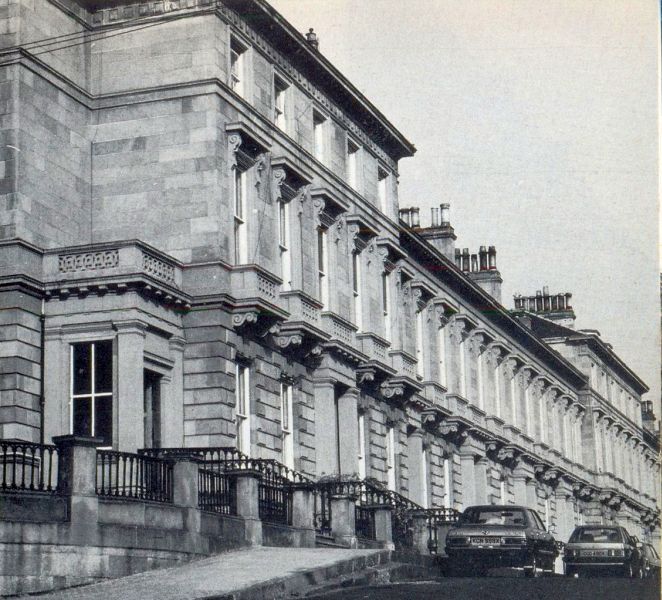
[{"x": 201, "y": 246}]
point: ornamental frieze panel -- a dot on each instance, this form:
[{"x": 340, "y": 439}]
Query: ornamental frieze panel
[
  {"x": 88, "y": 261},
  {"x": 158, "y": 269}
]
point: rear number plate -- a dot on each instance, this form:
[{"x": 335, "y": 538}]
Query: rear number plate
[
  {"x": 594, "y": 553},
  {"x": 485, "y": 540}
]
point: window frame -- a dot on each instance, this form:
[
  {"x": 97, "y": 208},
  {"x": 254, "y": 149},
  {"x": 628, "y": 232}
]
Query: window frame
[
  {"x": 237, "y": 65},
  {"x": 356, "y": 289},
  {"x": 383, "y": 180},
  {"x": 239, "y": 209},
  {"x": 281, "y": 87},
  {"x": 323, "y": 266},
  {"x": 286, "y": 418},
  {"x": 391, "y": 478},
  {"x": 284, "y": 242},
  {"x": 243, "y": 401},
  {"x": 362, "y": 449},
  {"x": 319, "y": 135},
  {"x": 386, "y": 305},
  {"x": 93, "y": 395},
  {"x": 353, "y": 164}
]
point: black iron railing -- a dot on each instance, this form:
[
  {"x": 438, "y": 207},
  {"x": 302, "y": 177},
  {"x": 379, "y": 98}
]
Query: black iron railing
[
  {"x": 275, "y": 486},
  {"x": 133, "y": 476},
  {"x": 437, "y": 517},
  {"x": 366, "y": 496},
  {"x": 369, "y": 495},
  {"x": 401, "y": 521},
  {"x": 216, "y": 492},
  {"x": 210, "y": 456},
  {"x": 25, "y": 466}
]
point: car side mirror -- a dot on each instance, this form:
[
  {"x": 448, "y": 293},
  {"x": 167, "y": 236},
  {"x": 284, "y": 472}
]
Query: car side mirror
[{"x": 639, "y": 545}]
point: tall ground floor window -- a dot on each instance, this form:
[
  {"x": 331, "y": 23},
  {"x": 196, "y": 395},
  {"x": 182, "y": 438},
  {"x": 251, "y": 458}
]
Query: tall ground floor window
[
  {"x": 242, "y": 408},
  {"x": 448, "y": 482},
  {"x": 390, "y": 458},
  {"x": 91, "y": 392}
]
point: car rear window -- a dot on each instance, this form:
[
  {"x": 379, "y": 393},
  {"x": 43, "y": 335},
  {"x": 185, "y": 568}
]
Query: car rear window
[
  {"x": 605, "y": 534},
  {"x": 492, "y": 516}
]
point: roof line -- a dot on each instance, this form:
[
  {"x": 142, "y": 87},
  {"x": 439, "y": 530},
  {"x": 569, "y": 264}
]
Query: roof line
[
  {"x": 406, "y": 148},
  {"x": 490, "y": 301}
]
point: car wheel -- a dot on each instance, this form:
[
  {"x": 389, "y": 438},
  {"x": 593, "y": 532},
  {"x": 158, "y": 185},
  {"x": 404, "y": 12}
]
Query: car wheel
[
  {"x": 534, "y": 570},
  {"x": 570, "y": 572},
  {"x": 628, "y": 571}
]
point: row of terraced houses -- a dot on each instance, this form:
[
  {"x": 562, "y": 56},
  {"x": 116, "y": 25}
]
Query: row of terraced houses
[{"x": 202, "y": 247}]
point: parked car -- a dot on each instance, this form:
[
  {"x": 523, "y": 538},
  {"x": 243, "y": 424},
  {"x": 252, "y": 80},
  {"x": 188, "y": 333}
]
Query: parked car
[
  {"x": 603, "y": 549},
  {"x": 651, "y": 561},
  {"x": 500, "y": 536}
]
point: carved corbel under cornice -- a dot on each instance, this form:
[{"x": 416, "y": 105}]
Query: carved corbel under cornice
[{"x": 392, "y": 391}]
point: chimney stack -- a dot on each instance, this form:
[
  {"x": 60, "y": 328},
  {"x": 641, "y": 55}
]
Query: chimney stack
[
  {"x": 555, "y": 307},
  {"x": 484, "y": 271},
  {"x": 440, "y": 233}
]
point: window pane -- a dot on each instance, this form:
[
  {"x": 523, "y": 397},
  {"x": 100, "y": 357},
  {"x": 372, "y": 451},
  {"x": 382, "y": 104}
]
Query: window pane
[
  {"x": 82, "y": 383},
  {"x": 320, "y": 250},
  {"x": 82, "y": 416},
  {"x": 103, "y": 369},
  {"x": 103, "y": 419}
]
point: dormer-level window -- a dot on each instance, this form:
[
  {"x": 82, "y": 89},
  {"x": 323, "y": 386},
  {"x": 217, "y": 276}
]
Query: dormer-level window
[
  {"x": 319, "y": 129},
  {"x": 353, "y": 150},
  {"x": 237, "y": 66},
  {"x": 280, "y": 102},
  {"x": 383, "y": 181}
]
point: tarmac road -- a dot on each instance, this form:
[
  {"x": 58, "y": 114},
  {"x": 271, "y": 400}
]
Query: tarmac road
[{"x": 507, "y": 588}]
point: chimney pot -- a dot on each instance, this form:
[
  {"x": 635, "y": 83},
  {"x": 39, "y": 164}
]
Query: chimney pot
[
  {"x": 445, "y": 214},
  {"x": 458, "y": 258},
  {"x": 404, "y": 215},
  {"x": 415, "y": 217},
  {"x": 465, "y": 260},
  {"x": 474, "y": 263},
  {"x": 482, "y": 254},
  {"x": 491, "y": 254},
  {"x": 435, "y": 217}
]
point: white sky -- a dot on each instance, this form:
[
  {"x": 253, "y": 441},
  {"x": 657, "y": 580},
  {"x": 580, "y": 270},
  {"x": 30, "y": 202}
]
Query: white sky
[{"x": 537, "y": 120}]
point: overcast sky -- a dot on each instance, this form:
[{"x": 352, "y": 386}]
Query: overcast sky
[{"x": 537, "y": 121}]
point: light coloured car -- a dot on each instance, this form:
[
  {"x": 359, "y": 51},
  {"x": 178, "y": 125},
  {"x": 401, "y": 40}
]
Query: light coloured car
[
  {"x": 500, "y": 536},
  {"x": 603, "y": 549}
]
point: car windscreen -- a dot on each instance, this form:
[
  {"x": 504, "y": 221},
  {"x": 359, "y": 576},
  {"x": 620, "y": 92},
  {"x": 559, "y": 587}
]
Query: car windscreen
[
  {"x": 597, "y": 535},
  {"x": 493, "y": 516}
]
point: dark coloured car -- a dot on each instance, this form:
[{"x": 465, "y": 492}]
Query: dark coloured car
[
  {"x": 651, "y": 561},
  {"x": 603, "y": 549},
  {"x": 500, "y": 536}
]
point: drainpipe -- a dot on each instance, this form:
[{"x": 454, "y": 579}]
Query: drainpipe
[{"x": 42, "y": 399}]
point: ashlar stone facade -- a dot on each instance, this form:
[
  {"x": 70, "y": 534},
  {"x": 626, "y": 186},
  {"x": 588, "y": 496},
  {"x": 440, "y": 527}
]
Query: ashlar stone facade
[{"x": 195, "y": 184}]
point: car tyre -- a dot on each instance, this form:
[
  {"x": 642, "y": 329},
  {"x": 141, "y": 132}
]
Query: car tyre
[
  {"x": 628, "y": 571},
  {"x": 534, "y": 570},
  {"x": 570, "y": 572}
]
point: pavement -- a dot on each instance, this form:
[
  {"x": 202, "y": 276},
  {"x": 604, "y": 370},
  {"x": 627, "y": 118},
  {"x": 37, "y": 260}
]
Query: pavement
[{"x": 225, "y": 575}]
